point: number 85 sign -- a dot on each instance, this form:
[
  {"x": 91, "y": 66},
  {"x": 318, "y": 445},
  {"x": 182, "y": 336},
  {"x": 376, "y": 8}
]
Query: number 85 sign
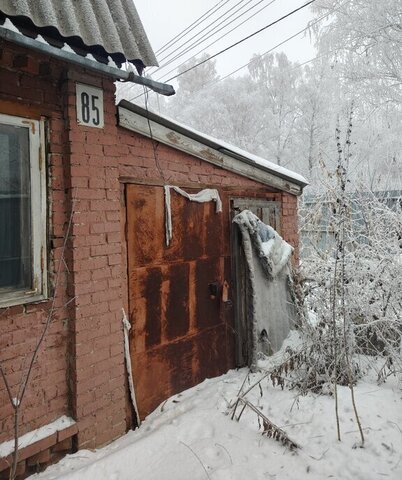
[{"x": 89, "y": 106}]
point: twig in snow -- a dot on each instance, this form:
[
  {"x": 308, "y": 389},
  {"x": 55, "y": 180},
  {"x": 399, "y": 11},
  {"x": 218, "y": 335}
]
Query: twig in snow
[
  {"x": 198, "y": 458},
  {"x": 163, "y": 405},
  {"x": 321, "y": 456},
  {"x": 238, "y": 395},
  {"x": 226, "y": 450},
  {"x": 270, "y": 429},
  {"x": 396, "y": 425}
]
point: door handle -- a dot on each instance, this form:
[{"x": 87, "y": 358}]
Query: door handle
[{"x": 213, "y": 289}]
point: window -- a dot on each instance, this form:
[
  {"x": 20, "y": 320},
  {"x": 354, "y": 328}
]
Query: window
[{"x": 22, "y": 211}]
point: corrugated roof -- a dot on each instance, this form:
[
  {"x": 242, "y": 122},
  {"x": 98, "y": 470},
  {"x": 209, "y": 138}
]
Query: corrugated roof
[{"x": 111, "y": 24}]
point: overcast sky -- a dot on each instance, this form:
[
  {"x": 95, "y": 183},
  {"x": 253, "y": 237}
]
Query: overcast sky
[{"x": 164, "y": 19}]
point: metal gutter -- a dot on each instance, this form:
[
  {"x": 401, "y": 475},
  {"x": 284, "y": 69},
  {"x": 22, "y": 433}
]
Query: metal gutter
[{"x": 19, "y": 39}]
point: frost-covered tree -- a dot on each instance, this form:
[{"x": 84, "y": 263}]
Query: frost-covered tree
[
  {"x": 365, "y": 40},
  {"x": 277, "y": 79},
  {"x": 361, "y": 43},
  {"x": 351, "y": 273},
  {"x": 191, "y": 79},
  {"x": 287, "y": 113},
  {"x": 317, "y": 95},
  {"x": 226, "y": 111}
]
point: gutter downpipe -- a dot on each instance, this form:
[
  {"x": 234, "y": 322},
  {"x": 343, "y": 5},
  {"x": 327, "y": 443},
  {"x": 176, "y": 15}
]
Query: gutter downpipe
[{"x": 162, "y": 88}]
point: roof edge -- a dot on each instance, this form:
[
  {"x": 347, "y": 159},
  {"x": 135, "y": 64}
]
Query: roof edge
[
  {"x": 114, "y": 72},
  {"x": 135, "y": 118},
  {"x": 215, "y": 144},
  {"x": 116, "y": 29}
]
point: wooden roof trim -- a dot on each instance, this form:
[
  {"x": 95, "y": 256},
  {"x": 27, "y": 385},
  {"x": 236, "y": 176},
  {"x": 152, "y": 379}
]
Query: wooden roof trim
[{"x": 161, "y": 133}]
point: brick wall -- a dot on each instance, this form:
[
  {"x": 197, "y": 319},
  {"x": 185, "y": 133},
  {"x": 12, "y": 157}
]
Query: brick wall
[
  {"x": 80, "y": 370},
  {"x": 136, "y": 160},
  {"x": 98, "y": 362},
  {"x": 290, "y": 223},
  {"x": 30, "y": 86}
]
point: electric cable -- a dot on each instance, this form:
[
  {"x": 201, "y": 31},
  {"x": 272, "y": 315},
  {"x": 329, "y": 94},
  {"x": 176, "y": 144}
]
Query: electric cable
[
  {"x": 192, "y": 26},
  {"x": 205, "y": 28},
  {"x": 311, "y": 24},
  {"x": 215, "y": 41},
  {"x": 190, "y": 47},
  {"x": 243, "y": 40}
]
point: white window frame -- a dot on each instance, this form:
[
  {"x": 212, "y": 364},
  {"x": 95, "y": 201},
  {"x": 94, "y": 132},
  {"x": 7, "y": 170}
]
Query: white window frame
[{"x": 9, "y": 297}]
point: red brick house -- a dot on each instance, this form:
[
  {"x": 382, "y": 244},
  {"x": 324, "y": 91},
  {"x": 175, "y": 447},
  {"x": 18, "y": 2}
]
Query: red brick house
[{"x": 83, "y": 233}]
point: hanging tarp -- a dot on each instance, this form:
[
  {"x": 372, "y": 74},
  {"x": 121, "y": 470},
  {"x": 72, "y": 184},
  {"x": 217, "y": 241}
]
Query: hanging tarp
[
  {"x": 270, "y": 308},
  {"x": 206, "y": 195}
]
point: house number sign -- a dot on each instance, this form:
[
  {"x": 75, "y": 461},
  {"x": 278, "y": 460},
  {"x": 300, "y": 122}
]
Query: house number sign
[{"x": 89, "y": 106}]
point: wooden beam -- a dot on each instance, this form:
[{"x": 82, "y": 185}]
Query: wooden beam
[{"x": 138, "y": 123}]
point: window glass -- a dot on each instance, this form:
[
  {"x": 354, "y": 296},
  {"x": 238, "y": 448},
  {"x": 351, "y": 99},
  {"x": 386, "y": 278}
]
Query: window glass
[{"x": 15, "y": 209}]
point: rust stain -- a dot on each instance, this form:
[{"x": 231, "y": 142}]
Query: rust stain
[
  {"x": 169, "y": 369},
  {"x": 165, "y": 292},
  {"x": 152, "y": 295},
  {"x": 212, "y": 235},
  {"x": 151, "y": 379},
  {"x": 207, "y": 309},
  {"x": 144, "y": 229},
  {"x": 180, "y": 357},
  {"x": 177, "y": 310},
  {"x": 211, "y": 353},
  {"x": 192, "y": 297},
  {"x": 32, "y": 125},
  {"x": 192, "y": 225},
  {"x": 139, "y": 203},
  {"x": 178, "y": 336},
  {"x": 138, "y": 309}
]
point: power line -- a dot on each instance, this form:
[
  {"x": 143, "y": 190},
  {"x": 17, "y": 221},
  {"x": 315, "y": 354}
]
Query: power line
[
  {"x": 212, "y": 32},
  {"x": 311, "y": 24},
  {"x": 192, "y": 26},
  {"x": 205, "y": 28},
  {"x": 242, "y": 40},
  {"x": 216, "y": 40},
  {"x": 269, "y": 51}
]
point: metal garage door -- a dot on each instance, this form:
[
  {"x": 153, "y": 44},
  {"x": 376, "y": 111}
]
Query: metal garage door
[{"x": 178, "y": 334}]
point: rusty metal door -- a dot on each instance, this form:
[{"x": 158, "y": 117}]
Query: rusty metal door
[
  {"x": 178, "y": 334},
  {"x": 269, "y": 213}
]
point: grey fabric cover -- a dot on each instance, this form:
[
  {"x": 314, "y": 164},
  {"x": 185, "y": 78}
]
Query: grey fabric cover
[{"x": 271, "y": 311}]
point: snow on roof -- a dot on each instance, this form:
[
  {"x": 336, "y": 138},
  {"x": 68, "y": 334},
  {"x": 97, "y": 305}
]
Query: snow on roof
[
  {"x": 115, "y": 26},
  {"x": 63, "y": 422},
  {"x": 229, "y": 148},
  {"x": 218, "y": 144}
]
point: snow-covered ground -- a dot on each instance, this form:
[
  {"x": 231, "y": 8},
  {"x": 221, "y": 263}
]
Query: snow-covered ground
[{"x": 190, "y": 437}]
